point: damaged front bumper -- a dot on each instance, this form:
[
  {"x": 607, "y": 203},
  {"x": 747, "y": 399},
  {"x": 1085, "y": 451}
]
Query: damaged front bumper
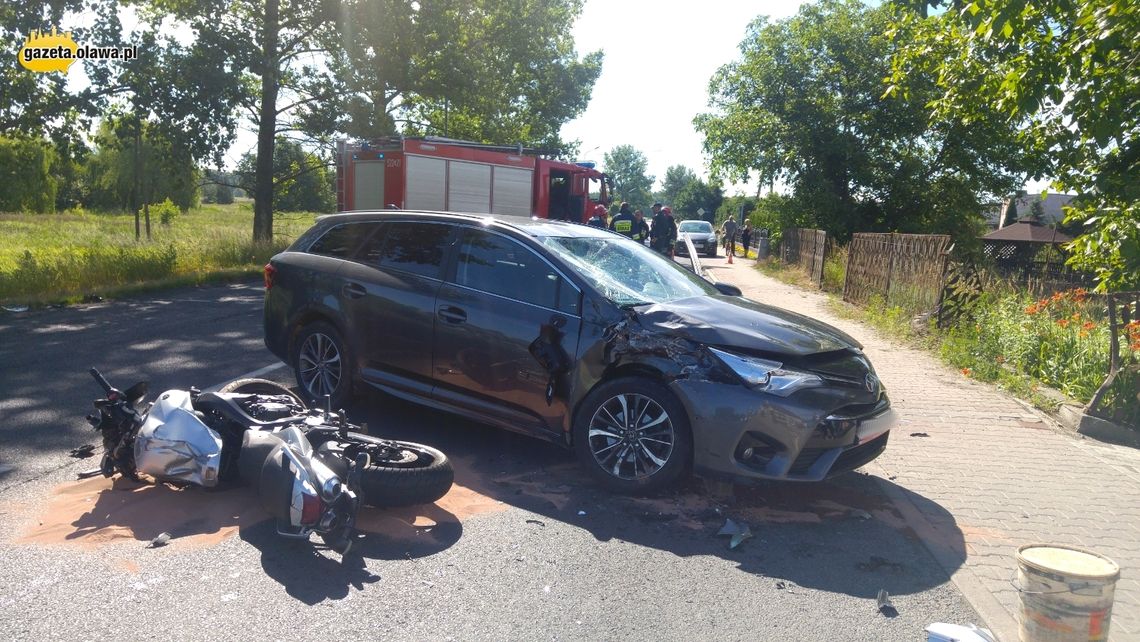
[{"x": 741, "y": 433}]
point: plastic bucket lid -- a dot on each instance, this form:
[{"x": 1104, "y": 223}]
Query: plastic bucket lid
[{"x": 1069, "y": 561}]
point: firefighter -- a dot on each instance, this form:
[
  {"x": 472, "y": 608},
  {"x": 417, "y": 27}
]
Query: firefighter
[
  {"x": 664, "y": 232},
  {"x": 623, "y": 221},
  {"x": 599, "y": 217}
]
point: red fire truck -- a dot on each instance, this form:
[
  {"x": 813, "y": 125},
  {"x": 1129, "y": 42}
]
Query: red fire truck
[{"x": 442, "y": 174}]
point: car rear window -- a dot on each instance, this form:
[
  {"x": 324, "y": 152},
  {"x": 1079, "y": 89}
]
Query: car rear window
[
  {"x": 342, "y": 240},
  {"x": 410, "y": 246}
]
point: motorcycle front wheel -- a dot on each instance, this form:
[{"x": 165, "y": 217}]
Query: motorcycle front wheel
[{"x": 400, "y": 473}]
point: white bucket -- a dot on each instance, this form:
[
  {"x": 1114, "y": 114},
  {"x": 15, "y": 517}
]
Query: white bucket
[{"x": 1066, "y": 593}]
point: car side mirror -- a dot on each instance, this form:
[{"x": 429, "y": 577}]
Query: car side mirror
[{"x": 730, "y": 290}]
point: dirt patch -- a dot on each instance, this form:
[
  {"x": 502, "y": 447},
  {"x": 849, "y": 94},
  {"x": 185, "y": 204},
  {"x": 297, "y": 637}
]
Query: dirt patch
[{"x": 99, "y": 511}]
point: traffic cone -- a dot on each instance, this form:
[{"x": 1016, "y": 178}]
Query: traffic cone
[{"x": 730, "y": 253}]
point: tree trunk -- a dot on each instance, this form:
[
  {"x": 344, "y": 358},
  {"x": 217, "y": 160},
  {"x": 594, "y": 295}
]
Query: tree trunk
[{"x": 266, "y": 131}]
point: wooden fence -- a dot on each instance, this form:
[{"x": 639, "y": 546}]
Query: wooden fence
[
  {"x": 806, "y": 248},
  {"x": 906, "y": 270}
]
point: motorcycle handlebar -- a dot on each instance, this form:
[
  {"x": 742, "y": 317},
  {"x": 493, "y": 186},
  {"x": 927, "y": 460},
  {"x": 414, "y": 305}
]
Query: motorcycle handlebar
[{"x": 99, "y": 379}]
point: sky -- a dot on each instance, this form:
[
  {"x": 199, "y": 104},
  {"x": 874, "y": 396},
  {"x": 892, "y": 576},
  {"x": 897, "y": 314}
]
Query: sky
[{"x": 659, "y": 59}]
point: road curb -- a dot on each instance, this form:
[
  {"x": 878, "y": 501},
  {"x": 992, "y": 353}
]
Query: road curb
[{"x": 994, "y": 616}]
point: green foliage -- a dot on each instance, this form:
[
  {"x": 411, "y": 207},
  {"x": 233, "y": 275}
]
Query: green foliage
[
  {"x": 835, "y": 270},
  {"x": 627, "y": 166},
  {"x": 165, "y": 211},
  {"x": 676, "y": 179},
  {"x": 1064, "y": 75},
  {"x": 302, "y": 181},
  {"x": 163, "y": 172},
  {"x": 481, "y": 70},
  {"x": 697, "y": 195},
  {"x": 25, "y": 173},
  {"x": 805, "y": 104}
]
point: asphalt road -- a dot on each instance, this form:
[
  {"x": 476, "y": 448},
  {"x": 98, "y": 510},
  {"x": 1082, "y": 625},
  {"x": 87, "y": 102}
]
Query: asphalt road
[{"x": 523, "y": 548}]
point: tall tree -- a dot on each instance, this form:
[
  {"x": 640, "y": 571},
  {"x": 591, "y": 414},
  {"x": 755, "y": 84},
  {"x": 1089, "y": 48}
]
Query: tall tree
[
  {"x": 1066, "y": 75},
  {"x": 279, "y": 49},
  {"x": 484, "y": 70},
  {"x": 805, "y": 104},
  {"x": 676, "y": 178},
  {"x": 627, "y": 166}
]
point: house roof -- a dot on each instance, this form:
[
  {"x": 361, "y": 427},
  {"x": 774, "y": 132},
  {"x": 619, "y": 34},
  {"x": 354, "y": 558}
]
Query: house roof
[
  {"x": 1051, "y": 208},
  {"x": 1027, "y": 231}
]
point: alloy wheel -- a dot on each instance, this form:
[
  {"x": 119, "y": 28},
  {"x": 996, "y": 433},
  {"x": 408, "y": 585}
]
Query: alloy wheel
[
  {"x": 319, "y": 365},
  {"x": 631, "y": 436}
]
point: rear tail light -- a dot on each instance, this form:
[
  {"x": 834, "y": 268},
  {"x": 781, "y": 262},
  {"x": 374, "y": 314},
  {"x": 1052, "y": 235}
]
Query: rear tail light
[
  {"x": 311, "y": 509},
  {"x": 270, "y": 275}
]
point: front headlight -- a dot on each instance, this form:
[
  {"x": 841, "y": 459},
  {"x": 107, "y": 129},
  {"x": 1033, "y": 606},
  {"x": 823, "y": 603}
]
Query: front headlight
[{"x": 769, "y": 376}]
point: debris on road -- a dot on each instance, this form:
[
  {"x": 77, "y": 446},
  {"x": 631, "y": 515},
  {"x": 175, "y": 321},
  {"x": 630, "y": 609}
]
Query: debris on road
[
  {"x": 883, "y": 600},
  {"x": 942, "y": 632},
  {"x": 919, "y": 434},
  {"x": 876, "y": 563},
  {"x": 162, "y": 540},
  {"x": 581, "y": 513},
  {"x": 83, "y": 452},
  {"x": 15, "y": 309},
  {"x": 87, "y": 474},
  {"x": 738, "y": 532},
  {"x": 536, "y": 521}
]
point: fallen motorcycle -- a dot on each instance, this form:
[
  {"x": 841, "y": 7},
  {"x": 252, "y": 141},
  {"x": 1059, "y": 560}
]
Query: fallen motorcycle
[{"x": 311, "y": 468}]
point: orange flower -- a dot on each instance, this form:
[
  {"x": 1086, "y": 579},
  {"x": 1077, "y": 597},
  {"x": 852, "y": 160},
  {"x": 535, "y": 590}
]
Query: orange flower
[
  {"x": 966, "y": 371},
  {"x": 1080, "y": 294},
  {"x": 1031, "y": 310},
  {"x": 1083, "y": 334},
  {"x": 1076, "y": 316},
  {"x": 1064, "y": 323},
  {"x": 1088, "y": 325}
]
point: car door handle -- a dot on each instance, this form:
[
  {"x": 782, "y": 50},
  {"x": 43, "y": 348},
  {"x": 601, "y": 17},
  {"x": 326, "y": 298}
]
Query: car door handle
[
  {"x": 452, "y": 314},
  {"x": 353, "y": 290}
]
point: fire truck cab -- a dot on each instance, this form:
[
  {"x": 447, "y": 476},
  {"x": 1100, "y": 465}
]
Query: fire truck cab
[{"x": 443, "y": 174}]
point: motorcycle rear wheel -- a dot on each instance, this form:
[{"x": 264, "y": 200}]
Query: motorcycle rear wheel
[{"x": 408, "y": 475}]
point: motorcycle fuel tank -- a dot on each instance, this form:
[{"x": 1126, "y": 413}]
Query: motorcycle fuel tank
[{"x": 174, "y": 444}]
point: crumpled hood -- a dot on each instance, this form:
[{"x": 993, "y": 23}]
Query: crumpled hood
[{"x": 730, "y": 322}]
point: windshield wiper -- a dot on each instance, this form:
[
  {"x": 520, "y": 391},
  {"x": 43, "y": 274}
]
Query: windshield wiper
[{"x": 635, "y": 304}]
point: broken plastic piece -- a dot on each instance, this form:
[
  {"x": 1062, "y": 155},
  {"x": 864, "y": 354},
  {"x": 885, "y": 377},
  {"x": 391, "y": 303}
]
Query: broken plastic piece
[
  {"x": 919, "y": 434},
  {"x": 739, "y": 532},
  {"x": 536, "y": 521},
  {"x": 83, "y": 452},
  {"x": 884, "y": 603},
  {"x": 581, "y": 513},
  {"x": 162, "y": 540},
  {"x": 942, "y": 632},
  {"x": 16, "y": 308}
]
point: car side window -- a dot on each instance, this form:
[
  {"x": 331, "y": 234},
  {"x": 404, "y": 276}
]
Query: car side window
[
  {"x": 342, "y": 240},
  {"x": 410, "y": 246},
  {"x": 496, "y": 264}
]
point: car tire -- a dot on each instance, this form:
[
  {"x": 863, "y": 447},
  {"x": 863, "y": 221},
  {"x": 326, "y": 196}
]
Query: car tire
[
  {"x": 322, "y": 365},
  {"x": 633, "y": 457},
  {"x": 712, "y": 252}
]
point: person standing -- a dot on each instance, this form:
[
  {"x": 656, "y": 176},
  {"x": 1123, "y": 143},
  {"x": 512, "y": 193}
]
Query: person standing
[
  {"x": 599, "y": 217},
  {"x": 640, "y": 227},
  {"x": 664, "y": 232},
  {"x": 746, "y": 236},
  {"x": 729, "y": 231},
  {"x": 622, "y": 222}
]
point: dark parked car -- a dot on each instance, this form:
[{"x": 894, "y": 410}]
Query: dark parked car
[
  {"x": 700, "y": 233},
  {"x": 575, "y": 335}
]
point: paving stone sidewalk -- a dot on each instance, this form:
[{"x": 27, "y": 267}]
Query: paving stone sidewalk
[{"x": 1007, "y": 474}]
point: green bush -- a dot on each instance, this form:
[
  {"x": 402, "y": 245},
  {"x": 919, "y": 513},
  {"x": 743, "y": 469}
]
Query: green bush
[{"x": 165, "y": 211}]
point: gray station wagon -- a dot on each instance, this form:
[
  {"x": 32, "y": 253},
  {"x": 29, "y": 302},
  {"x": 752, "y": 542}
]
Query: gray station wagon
[{"x": 574, "y": 335}]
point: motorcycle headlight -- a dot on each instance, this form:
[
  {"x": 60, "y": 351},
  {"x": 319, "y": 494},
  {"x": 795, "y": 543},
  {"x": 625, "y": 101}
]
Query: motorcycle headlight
[{"x": 766, "y": 375}]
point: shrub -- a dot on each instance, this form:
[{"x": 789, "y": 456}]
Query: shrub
[{"x": 165, "y": 211}]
